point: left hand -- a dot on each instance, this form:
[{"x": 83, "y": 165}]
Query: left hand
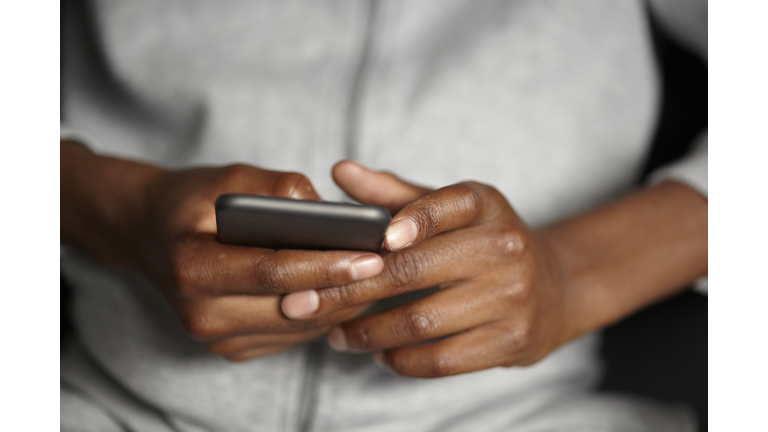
[{"x": 503, "y": 298}]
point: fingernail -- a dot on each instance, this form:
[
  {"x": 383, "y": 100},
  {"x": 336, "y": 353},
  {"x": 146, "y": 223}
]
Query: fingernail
[
  {"x": 300, "y": 304},
  {"x": 337, "y": 339},
  {"x": 401, "y": 234},
  {"x": 365, "y": 266}
]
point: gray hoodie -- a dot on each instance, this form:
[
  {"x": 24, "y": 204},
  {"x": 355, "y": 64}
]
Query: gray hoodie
[{"x": 552, "y": 102}]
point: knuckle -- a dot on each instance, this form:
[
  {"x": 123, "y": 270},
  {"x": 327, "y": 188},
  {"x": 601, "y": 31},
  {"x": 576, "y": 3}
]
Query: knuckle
[
  {"x": 404, "y": 268},
  {"x": 339, "y": 297},
  {"x": 510, "y": 242},
  {"x": 360, "y": 335},
  {"x": 519, "y": 339},
  {"x": 427, "y": 218},
  {"x": 330, "y": 275},
  {"x": 288, "y": 184},
  {"x": 181, "y": 278},
  {"x": 483, "y": 190},
  {"x": 185, "y": 274},
  {"x": 238, "y": 171},
  {"x": 400, "y": 364},
  {"x": 271, "y": 277},
  {"x": 420, "y": 323},
  {"x": 203, "y": 327},
  {"x": 487, "y": 199},
  {"x": 516, "y": 293},
  {"x": 471, "y": 195},
  {"x": 440, "y": 364},
  {"x": 432, "y": 363}
]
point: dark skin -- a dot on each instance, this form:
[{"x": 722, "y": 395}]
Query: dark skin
[
  {"x": 510, "y": 294},
  {"x": 161, "y": 224}
]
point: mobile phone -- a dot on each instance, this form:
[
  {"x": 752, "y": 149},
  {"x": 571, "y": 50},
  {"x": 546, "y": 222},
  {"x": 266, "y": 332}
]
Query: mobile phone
[{"x": 282, "y": 223}]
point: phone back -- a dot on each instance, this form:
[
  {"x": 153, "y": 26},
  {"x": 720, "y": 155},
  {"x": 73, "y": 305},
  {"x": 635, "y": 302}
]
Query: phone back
[{"x": 282, "y": 223}]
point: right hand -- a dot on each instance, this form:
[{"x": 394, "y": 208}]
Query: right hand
[{"x": 228, "y": 297}]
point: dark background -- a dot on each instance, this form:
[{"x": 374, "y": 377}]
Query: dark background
[{"x": 660, "y": 352}]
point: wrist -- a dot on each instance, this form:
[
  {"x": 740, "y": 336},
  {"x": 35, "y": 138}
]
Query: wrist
[
  {"x": 623, "y": 256},
  {"x": 103, "y": 202},
  {"x": 573, "y": 281}
]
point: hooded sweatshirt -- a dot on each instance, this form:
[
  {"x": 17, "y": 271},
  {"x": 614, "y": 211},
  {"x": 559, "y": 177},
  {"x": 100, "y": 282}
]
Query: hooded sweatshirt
[{"x": 553, "y": 102}]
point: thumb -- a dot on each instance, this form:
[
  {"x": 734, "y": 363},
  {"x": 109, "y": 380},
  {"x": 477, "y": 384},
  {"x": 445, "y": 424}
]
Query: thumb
[{"x": 374, "y": 187}]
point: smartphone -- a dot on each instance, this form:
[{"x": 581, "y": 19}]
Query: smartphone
[{"x": 282, "y": 223}]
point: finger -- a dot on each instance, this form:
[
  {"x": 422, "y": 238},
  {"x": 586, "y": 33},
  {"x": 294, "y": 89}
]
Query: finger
[
  {"x": 441, "y": 314},
  {"x": 221, "y": 318},
  {"x": 237, "y": 344},
  {"x": 451, "y": 257},
  {"x": 443, "y": 210},
  {"x": 481, "y": 348},
  {"x": 208, "y": 184},
  {"x": 373, "y": 187},
  {"x": 204, "y": 267},
  {"x": 251, "y": 180}
]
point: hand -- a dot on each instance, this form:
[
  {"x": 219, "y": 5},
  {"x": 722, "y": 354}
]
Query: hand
[
  {"x": 228, "y": 297},
  {"x": 509, "y": 295},
  {"x": 503, "y": 294}
]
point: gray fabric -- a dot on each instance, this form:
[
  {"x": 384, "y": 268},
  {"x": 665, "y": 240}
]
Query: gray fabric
[
  {"x": 689, "y": 170},
  {"x": 78, "y": 414},
  {"x": 553, "y": 102}
]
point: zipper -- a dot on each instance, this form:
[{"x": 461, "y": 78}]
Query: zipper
[
  {"x": 357, "y": 92},
  {"x": 308, "y": 396},
  {"x": 315, "y": 350}
]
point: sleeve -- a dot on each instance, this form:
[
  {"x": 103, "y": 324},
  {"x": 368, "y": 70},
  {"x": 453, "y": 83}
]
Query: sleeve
[
  {"x": 691, "y": 170},
  {"x": 686, "y": 21},
  {"x": 66, "y": 132}
]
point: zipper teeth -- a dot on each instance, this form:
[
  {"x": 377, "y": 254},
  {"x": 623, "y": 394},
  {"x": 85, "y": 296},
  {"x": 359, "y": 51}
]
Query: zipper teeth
[
  {"x": 308, "y": 401},
  {"x": 357, "y": 93}
]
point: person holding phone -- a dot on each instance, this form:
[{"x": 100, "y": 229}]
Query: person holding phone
[{"x": 546, "y": 242}]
